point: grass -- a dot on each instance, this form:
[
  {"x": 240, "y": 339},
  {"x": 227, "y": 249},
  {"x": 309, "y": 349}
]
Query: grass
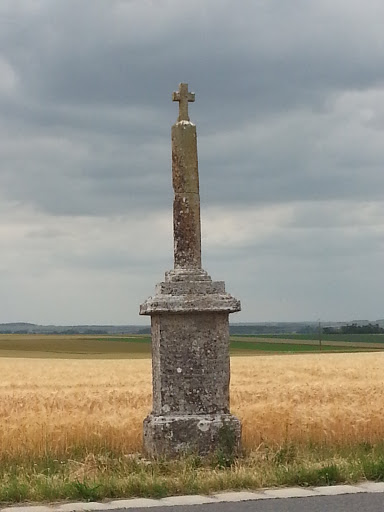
[{"x": 108, "y": 475}]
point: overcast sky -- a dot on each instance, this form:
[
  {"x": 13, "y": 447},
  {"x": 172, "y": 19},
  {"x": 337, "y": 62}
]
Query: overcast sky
[{"x": 290, "y": 118}]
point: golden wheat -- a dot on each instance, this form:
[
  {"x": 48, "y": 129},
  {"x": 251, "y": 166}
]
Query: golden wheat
[{"x": 55, "y": 407}]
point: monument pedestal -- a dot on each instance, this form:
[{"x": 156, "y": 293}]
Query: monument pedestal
[{"x": 190, "y": 365}]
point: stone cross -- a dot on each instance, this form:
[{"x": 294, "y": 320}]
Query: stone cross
[
  {"x": 189, "y": 326},
  {"x": 183, "y": 96}
]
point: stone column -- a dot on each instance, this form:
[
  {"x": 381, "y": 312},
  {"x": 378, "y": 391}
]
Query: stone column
[
  {"x": 189, "y": 325},
  {"x": 186, "y": 204}
]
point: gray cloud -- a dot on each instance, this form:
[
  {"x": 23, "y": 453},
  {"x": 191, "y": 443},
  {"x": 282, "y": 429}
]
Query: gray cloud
[{"x": 289, "y": 108}]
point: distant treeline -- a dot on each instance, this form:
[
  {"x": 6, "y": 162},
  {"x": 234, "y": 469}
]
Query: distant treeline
[
  {"x": 234, "y": 329},
  {"x": 75, "y": 331},
  {"x": 355, "y": 329},
  {"x": 239, "y": 329},
  {"x": 25, "y": 328}
]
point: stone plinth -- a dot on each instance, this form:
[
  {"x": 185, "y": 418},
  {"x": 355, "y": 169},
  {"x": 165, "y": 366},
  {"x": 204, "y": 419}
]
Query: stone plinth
[
  {"x": 172, "y": 436},
  {"x": 190, "y": 365}
]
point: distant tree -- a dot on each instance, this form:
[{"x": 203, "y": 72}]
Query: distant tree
[
  {"x": 331, "y": 330},
  {"x": 361, "y": 329}
]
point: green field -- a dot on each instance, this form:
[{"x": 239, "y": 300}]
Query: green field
[
  {"x": 241, "y": 347},
  {"x": 139, "y": 346},
  {"x": 352, "y": 338},
  {"x": 74, "y": 347}
]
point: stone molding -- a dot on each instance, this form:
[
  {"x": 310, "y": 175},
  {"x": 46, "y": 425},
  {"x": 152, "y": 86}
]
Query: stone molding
[
  {"x": 188, "y": 291},
  {"x": 159, "y": 304}
]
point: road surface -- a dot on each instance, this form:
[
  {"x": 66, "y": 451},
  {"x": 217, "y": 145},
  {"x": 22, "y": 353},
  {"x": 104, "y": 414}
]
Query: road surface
[
  {"x": 361, "y": 497},
  {"x": 370, "y": 502}
]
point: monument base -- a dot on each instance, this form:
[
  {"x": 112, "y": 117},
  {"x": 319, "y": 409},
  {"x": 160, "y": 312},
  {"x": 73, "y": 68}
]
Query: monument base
[{"x": 172, "y": 436}]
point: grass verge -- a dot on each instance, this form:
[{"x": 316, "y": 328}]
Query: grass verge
[{"x": 92, "y": 477}]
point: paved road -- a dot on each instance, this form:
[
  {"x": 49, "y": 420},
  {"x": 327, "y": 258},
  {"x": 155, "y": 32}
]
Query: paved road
[
  {"x": 360, "y": 497},
  {"x": 370, "y": 502}
]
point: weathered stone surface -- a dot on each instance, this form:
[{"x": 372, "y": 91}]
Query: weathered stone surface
[
  {"x": 186, "y": 274},
  {"x": 186, "y": 204},
  {"x": 172, "y": 436},
  {"x": 194, "y": 303},
  {"x": 185, "y": 175},
  {"x": 192, "y": 373},
  {"x": 186, "y": 229},
  {"x": 190, "y": 288},
  {"x": 189, "y": 325}
]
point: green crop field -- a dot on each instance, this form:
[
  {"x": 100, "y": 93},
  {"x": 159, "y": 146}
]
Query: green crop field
[
  {"x": 353, "y": 338},
  {"x": 74, "y": 347},
  {"x": 139, "y": 346},
  {"x": 301, "y": 342},
  {"x": 265, "y": 346}
]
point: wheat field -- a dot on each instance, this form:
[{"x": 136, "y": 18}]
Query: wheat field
[{"x": 60, "y": 407}]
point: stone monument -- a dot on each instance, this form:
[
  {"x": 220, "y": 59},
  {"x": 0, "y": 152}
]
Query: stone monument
[{"x": 189, "y": 324}]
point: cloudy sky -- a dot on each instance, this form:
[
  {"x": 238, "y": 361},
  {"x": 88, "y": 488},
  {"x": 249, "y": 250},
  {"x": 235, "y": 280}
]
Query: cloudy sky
[{"x": 290, "y": 118}]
